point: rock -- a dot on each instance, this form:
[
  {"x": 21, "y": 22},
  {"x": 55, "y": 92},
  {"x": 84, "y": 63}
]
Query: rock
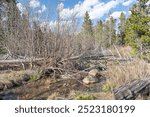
[
  {"x": 93, "y": 72},
  {"x": 1, "y": 86},
  {"x": 90, "y": 80}
]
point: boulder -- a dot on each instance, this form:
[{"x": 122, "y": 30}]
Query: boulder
[
  {"x": 93, "y": 72},
  {"x": 90, "y": 80}
]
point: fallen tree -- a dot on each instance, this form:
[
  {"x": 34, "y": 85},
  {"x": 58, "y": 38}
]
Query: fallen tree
[
  {"x": 20, "y": 64},
  {"x": 133, "y": 89}
]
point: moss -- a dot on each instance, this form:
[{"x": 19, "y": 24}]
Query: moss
[
  {"x": 108, "y": 87},
  {"x": 33, "y": 77},
  {"x": 85, "y": 97}
]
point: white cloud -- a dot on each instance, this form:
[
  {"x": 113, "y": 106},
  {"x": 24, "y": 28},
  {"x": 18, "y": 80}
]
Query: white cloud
[
  {"x": 117, "y": 14},
  {"x": 37, "y": 4},
  {"x": 60, "y": 6},
  {"x": 101, "y": 10},
  {"x": 43, "y": 8},
  {"x": 128, "y": 2},
  {"x": 20, "y": 7},
  {"x": 34, "y": 3},
  {"x": 96, "y": 8},
  {"x": 52, "y": 25},
  {"x": 121, "y": 1}
]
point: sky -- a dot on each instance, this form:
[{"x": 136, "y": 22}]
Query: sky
[{"x": 98, "y": 9}]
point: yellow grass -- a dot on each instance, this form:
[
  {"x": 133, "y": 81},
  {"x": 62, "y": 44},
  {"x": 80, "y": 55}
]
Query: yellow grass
[{"x": 120, "y": 73}]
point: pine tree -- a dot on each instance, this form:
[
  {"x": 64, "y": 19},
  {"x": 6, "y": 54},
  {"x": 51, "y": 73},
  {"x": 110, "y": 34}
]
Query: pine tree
[
  {"x": 105, "y": 35},
  {"x": 98, "y": 32},
  {"x": 137, "y": 30},
  {"x": 109, "y": 32},
  {"x": 87, "y": 25},
  {"x": 121, "y": 28},
  {"x": 112, "y": 31}
]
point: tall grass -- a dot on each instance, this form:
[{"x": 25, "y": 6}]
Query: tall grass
[{"x": 120, "y": 73}]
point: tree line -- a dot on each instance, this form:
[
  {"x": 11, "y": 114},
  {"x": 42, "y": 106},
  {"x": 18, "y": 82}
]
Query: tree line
[
  {"x": 19, "y": 35},
  {"x": 133, "y": 30}
]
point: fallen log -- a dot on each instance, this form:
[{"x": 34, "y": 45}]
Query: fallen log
[
  {"x": 90, "y": 57},
  {"x": 20, "y": 64},
  {"x": 133, "y": 89},
  {"x": 20, "y": 61}
]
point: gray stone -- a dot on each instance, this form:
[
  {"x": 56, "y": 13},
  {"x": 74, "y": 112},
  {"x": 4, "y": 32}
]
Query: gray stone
[
  {"x": 90, "y": 80},
  {"x": 93, "y": 72}
]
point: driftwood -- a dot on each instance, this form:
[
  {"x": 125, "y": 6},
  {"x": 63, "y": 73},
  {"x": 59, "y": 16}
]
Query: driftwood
[
  {"x": 19, "y": 64},
  {"x": 108, "y": 57},
  {"x": 18, "y": 61},
  {"x": 90, "y": 57},
  {"x": 77, "y": 61},
  {"x": 133, "y": 89}
]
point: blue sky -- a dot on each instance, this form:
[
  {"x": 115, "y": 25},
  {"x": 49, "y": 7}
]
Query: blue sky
[{"x": 98, "y": 9}]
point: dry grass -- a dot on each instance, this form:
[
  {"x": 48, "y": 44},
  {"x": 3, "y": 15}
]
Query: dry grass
[
  {"x": 14, "y": 75},
  {"x": 121, "y": 73},
  {"x": 76, "y": 95}
]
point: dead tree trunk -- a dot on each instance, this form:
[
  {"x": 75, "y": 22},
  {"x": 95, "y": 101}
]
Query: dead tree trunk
[{"x": 133, "y": 89}]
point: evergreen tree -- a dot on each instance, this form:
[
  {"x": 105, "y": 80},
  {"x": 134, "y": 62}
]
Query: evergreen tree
[
  {"x": 109, "y": 32},
  {"x": 112, "y": 31},
  {"x": 121, "y": 28},
  {"x": 87, "y": 25},
  {"x": 98, "y": 32},
  {"x": 137, "y": 30},
  {"x": 105, "y": 36}
]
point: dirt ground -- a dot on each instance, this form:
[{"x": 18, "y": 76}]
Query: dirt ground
[
  {"x": 50, "y": 88},
  {"x": 16, "y": 84}
]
